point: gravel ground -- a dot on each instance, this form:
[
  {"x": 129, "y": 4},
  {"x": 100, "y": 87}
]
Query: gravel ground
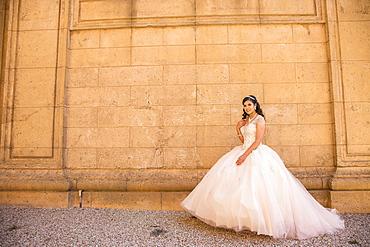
[{"x": 22, "y": 226}]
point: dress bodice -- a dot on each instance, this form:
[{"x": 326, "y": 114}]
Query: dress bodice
[{"x": 249, "y": 131}]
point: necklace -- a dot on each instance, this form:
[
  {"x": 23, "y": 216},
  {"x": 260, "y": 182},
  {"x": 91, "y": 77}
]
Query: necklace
[{"x": 251, "y": 119}]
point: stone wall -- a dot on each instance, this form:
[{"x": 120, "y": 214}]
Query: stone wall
[{"x": 133, "y": 101}]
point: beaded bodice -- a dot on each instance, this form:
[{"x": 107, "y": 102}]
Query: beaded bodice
[{"x": 249, "y": 132}]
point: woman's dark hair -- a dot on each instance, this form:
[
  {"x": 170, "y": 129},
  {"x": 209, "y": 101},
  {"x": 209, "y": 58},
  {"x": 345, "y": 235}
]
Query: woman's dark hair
[{"x": 258, "y": 107}]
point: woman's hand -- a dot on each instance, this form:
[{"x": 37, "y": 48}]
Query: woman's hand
[
  {"x": 241, "y": 159},
  {"x": 241, "y": 123}
]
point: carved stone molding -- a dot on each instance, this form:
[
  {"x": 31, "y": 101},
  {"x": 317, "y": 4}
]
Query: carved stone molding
[
  {"x": 344, "y": 106},
  {"x": 90, "y": 14},
  {"x": 34, "y": 83}
]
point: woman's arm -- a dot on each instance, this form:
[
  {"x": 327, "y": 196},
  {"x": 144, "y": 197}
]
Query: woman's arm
[
  {"x": 260, "y": 129},
  {"x": 240, "y": 124}
]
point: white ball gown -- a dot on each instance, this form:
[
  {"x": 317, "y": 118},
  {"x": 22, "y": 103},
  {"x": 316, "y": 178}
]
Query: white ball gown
[{"x": 260, "y": 195}]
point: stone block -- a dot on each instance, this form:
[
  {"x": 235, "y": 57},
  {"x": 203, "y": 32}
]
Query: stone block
[
  {"x": 297, "y": 93},
  {"x": 39, "y": 141},
  {"x": 212, "y": 34},
  {"x": 34, "y": 184},
  {"x": 354, "y": 202},
  {"x": 236, "y": 112},
  {"x": 106, "y": 185},
  {"x": 113, "y": 137},
  {"x": 81, "y": 117},
  {"x": 130, "y": 116},
  {"x": 104, "y": 10},
  {"x": 145, "y": 116},
  {"x": 39, "y": 14},
  {"x": 124, "y": 200},
  {"x": 350, "y": 183},
  {"x": 81, "y": 158},
  {"x": 97, "y": 137},
  {"x": 180, "y": 74},
  {"x": 129, "y": 158},
  {"x": 291, "y": 135},
  {"x": 159, "y": 8},
  {"x": 231, "y": 7},
  {"x": 74, "y": 199},
  {"x": 179, "y": 35},
  {"x": 135, "y": 75},
  {"x": 321, "y": 196},
  {"x": 100, "y": 57},
  {"x": 34, "y": 199},
  {"x": 172, "y": 200},
  {"x": 216, "y": 136},
  {"x": 98, "y": 96},
  {"x": 146, "y": 137},
  {"x": 163, "y": 95},
  {"x": 179, "y": 137},
  {"x": 162, "y": 55},
  {"x": 275, "y": 53},
  {"x": 304, "y": 33},
  {"x": 289, "y": 154},
  {"x": 113, "y": 116},
  {"x": 212, "y": 73},
  {"x": 237, "y": 53},
  {"x": 313, "y": 182},
  {"x": 147, "y": 95},
  {"x": 262, "y": 73},
  {"x": 281, "y": 113},
  {"x": 115, "y": 37},
  {"x": 312, "y": 72},
  {"x": 31, "y": 152},
  {"x": 351, "y": 178},
  {"x": 151, "y": 174},
  {"x": 180, "y": 115},
  {"x": 160, "y": 184},
  {"x": 358, "y": 149},
  {"x": 82, "y": 77},
  {"x": 226, "y": 94},
  {"x": 208, "y": 156},
  {"x": 34, "y": 87},
  {"x": 147, "y": 36},
  {"x": 349, "y": 10},
  {"x": 276, "y": 33},
  {"x": 354, "y": 34},
  {"x": 85, "y": 39},
  {"x": 244, "y": 33},
  {"x": 358, "y": 123},
  {"x": 315, "y": 113},
  {"x": 37, "y": 49},
  {"x": 180, "y": 158},
  {"x": 317, "y": 156},
  {"x": 355, "y": 81},
  {"x": 287, "y": 8},
  {"x": 213, "y": 115}
]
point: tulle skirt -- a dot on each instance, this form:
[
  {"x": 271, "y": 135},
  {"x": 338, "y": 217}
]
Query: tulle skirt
[{"x": 260, "y": 195}]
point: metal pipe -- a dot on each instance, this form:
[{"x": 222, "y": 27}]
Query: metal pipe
[{"x": 80, "y": 195}]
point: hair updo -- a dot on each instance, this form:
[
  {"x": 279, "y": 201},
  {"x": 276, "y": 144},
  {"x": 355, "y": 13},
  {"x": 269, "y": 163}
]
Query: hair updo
[{"x": 254, "y": 101}]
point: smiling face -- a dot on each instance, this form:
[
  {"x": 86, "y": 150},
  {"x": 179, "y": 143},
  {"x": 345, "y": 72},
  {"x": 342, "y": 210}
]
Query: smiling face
[{"x": 248, "y": 107}]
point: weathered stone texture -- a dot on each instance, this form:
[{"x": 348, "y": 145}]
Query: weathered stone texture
[{"x": 133, "y": 101}]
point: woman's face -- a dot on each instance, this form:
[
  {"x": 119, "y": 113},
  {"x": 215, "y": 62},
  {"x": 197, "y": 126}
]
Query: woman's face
[{"x": 248, "y": 107}]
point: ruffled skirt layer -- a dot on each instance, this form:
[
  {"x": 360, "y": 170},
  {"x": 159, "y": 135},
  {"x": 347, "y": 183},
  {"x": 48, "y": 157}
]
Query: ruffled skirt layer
[{"x": 260, "y": 195}]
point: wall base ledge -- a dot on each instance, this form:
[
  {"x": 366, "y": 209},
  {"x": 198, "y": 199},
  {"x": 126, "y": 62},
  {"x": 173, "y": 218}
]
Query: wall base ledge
[{"x": 111, "y": 199}]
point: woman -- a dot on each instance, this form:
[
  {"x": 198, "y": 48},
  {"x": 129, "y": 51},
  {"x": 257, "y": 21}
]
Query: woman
[{"x": 249, "y": 188}]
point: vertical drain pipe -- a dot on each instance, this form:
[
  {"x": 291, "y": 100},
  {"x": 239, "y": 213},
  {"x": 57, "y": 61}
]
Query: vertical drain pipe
[{"x": 80, "y": 195}]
